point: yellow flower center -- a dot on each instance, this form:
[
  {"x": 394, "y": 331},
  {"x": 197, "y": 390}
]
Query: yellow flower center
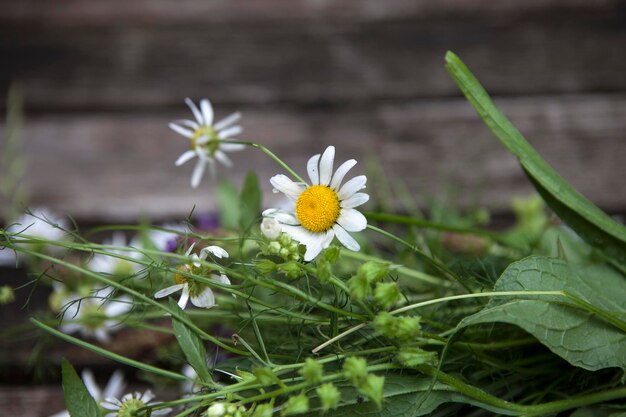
[
  {"x": 213, "y": 143},
  {"x": 318, "y": 208},
  {"x": 179, "y": 278}
]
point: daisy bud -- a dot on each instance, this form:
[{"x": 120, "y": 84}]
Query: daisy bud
[
  {"x": 265, "y": 376},
  {"x": 216, "y": 410},
  {"x": 413, "y": 356},
  {"x": 274, "y": 248},
  {"x": 312, "y": 371},
  {"x": 295, "y": 405},
  {"x": 329, "y": 396},
  {"x": 264, "y": 410},
  {"x": 355, "y": 370},
  {"x": 290, "y": 269},
  {"x": 408, "y": 327},
  {"x": 374, "y": 271},
  {"x": 265, "y": 266},
  {"x": 324, "y": 271},
  {"x": 359, "y": 286},
  {"x": 387, "y": 294},
  {"x": 270, "y": 228}
]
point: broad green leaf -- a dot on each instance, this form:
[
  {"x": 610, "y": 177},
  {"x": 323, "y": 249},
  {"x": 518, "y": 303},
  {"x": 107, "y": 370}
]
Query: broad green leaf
[
  {"x": 228, "y": 204},
  {"x": 404, "y": 396},
  {"x": 191, "y": 345},
  {"x": 249, "y": 202},
  {"x": 591, "y": 223},
  {"x": 582, "y": 338},
  {"x": 77, "y": 399}
]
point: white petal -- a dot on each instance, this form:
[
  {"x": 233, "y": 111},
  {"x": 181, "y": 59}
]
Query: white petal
[
  {"x": 189, "y": 123},
  {"x": 355, "y": 200},
  {"x": 351, "y": 187},
  {"x": 315, "y": 247},
  {"x": 345, "y": 239},
  {"x": 181, "y": 130},
  {"x": 147, "y": 397},
  {"x": 115, "y": 386},
  {"x": 61, "y": 414},
  {"x": 215, "y": 251},
  {"x": 282, "y": 217},
  {"x": 195, "y": 259},
  {"x": 222, "y": 279},
  {"x": 161, "y": 412},
  {"x": 227, "y": 121},
  {"x": 221, "y": 156},
  {"x": 341, "y": 172},
  {"x": 283, "y": 184},
  {"x": 190, "y": 249},
  {"x": 352, "y": 220},
  {"x": 207, "y": 111},
  {"x": 184, "y": 297},
  {"x": 195, "y": 111},
  {"x": 326, "y": 165},
  {"x": 198, "y": 171},
  {"x": 186, "y": 156},
  {"x": 205, "y": 299},
  {"x": 312, "y": 167},
  {"x": 117, "y": 308},
  {"x": 314, "y": 242},
  {"x": 232, "y": 147},
  {"x": 91, "y": 385},
  {"x": 202, "y": 140},
  {"x": 102, "y": 335},
  {"x": 169, "y": 290},
  {"x": 231, "y": 131},
  {"x": 111, "y": 403}
]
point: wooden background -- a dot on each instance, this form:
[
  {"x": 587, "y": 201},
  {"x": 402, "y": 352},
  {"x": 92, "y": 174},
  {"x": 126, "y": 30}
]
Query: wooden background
[{"x": 101, "y": 80}]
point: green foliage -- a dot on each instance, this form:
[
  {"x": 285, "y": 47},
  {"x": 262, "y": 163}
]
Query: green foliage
[
  {"x": 586, "y": 337},
  {"x": 191, "y": 345},
  {"x": 228, "y": 199},
  {"x": 249, "y": 202},
  {"x": 595, "y": 226},
  {"x": 77, "y": 399}
]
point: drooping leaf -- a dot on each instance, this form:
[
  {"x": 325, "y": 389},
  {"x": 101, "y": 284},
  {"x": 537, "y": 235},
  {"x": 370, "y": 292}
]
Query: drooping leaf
[
  {"x": 249, "y": 201},
  {"x": 191, "y": 345},
  {"x": 403, "y": 396},
  {"x": 77, "y": 399},
  {"x": 228, "y": 204},
  {"x": 591, "y": 223},
  {"x": 582, "y": 338}
]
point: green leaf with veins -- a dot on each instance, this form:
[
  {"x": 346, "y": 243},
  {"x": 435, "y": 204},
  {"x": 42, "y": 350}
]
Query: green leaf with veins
[
  {"x": 77, "y": 399},
  {"x": 583, "y": 338}
]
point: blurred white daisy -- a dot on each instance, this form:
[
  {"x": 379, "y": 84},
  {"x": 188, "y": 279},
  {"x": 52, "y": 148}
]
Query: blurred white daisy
[
  {"x": 205, "y": 138},
  {"x": 130, "y": 403},
  {"x": 164, "y": 240},
  {"x": 94, "y": 316},
  {"x": 112, "y": 265},
  {"x": 114, "y": 388},
  {"x": 324, "y": 209},
  {"x": 199, "y": 293},
  {"x": 39, "y": 223}
]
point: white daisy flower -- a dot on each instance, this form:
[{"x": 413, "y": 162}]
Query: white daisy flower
[
  {"x": 114, "y": 388},
  {"x": 94, "y": 316},
  {"x": 200, "y": 294},
  {"x": 205, "y": 138},
  {"x": 39, "y": 223},
  {"x": 324, "y": 209},
  {"x": 111, "y": 265},
  {"x": 130, "y": 403}
]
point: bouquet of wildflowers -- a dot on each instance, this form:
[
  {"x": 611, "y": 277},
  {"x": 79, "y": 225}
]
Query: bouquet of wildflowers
[{"x": 318, "y": 307}]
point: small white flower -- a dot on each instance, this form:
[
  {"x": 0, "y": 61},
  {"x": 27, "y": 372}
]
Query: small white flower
[
  {"x": 114, "y": 388},
  {"x": 130, "y": 403},
  {"x": 325, "y": 209},
  {"x": 112, "y": 265},
  {"x": 200, "y": 294},
  {"x": 94, "y": 316},
  {"x": 205, "y": 138},
  {"x": 270, "y": 228},
  {"x": 38, "y": 223}
]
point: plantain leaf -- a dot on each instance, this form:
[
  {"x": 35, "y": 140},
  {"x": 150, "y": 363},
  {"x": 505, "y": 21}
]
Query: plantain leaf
[
  {"x": 191, "y": 345},
  {"x": 591, "y": 223},
  {"x": 77, "y": 399},
  {"x": 582, "y": 338},
  {"x": 249, "y": 201},
  {"x": 228, "y": 204}
]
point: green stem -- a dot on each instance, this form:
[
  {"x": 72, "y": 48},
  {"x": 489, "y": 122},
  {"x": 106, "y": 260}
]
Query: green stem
[{"x": 271, "y": 155}]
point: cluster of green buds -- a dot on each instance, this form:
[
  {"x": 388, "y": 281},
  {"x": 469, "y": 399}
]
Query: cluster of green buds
[
  {"x": 279, "y": 243},
  {"x": 370, "y": 385},
  {"x": 226, "y": 410},
  {"x": 405, "y": 330},
  {"x": 368, "y": 279}
]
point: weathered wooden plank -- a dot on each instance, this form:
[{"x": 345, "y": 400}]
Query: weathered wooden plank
[
  {"x": 139, "y": 65},
  {"x": 114, "y": 167}
]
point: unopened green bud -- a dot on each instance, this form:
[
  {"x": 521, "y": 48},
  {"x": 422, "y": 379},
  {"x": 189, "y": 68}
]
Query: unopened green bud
[
  {"x": 216, "y": 410},
  {"x": 387, "y": 294},
  {"x": 408, "y": 327},
  {"x": 412, "y": 356},
  {"x": 6, "y": 295},
  {"x": 265, "y": 266},
  {"x": 274, "y": 248},
  {"x": 355, "y": 370},
  {"x": 359, "y": 286},
  {"x": 284, "y": 252},
  {"x": 324, "y": 271},
  {"x": 373, "y": 388},
  {"x": 245, "y": 375},
  {"x": 263, "y": 410},
  {"x": 329, "y": 396},
  {"x": 265, "y": 376},
  {"x": 311, "y": 371},
  {"x": 374, "y": 271},
  {"x": 331, "y": 254},
  {"x": 295, "y": 405},
  {"x": 284, "y": 239},
  {"x": 233, "y": 410},
  {"x": 385, "y": 324},
  {"x": 290, "y": 269}
]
